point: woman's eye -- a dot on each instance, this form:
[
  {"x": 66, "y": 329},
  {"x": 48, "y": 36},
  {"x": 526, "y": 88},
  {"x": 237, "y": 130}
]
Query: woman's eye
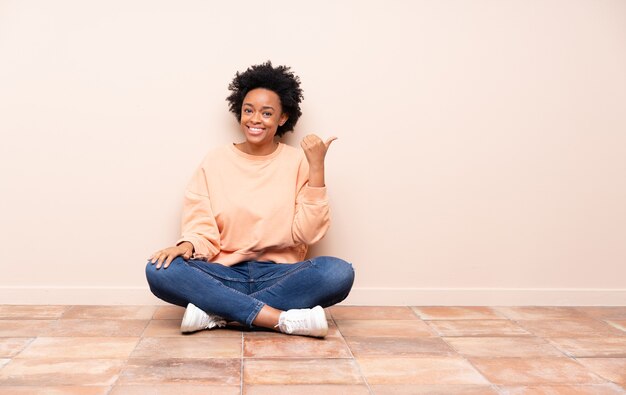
[
  {"x": 247, "y": 110},
  {"x": 267, "y": 114}
]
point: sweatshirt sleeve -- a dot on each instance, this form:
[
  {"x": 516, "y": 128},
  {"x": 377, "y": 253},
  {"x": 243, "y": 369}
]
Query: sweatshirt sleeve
[
  {"x": 312, "y": 217},
  {"x": 198, "y": 224}
]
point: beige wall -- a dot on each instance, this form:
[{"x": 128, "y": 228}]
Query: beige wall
[{"x": 481, "y": 159}]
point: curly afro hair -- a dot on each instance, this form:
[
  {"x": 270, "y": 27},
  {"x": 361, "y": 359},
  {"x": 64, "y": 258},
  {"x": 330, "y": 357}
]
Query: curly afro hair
[{"x": 281, "y": 80}]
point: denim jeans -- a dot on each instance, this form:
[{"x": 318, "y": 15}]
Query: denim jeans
[{"x": 239, "y": 292}]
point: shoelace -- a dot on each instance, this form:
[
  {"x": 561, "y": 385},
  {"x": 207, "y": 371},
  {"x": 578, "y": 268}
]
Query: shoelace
[{"x": 292, "y": 324}]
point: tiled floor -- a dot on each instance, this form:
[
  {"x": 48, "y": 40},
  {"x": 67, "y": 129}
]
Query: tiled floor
[{"x": 370, "y": 350}]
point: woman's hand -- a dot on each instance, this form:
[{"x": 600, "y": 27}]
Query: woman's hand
[
  {"x": 315, "y": 151},
  {"x": 167, "y": 255}
]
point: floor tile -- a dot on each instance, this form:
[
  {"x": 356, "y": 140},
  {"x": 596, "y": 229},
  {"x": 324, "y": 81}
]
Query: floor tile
[
  {"x": 54, "y": 390},
  {"x": 608, "y": 312},
  {"x": 295, "y": 347},
  {"x": 169, "y": 313},
  {"x": 305, "y": 389},
  {"x": 378, "y": 328},
  {"x": 60, "y": 371},
  {"x": 599, "y": 389},
  {"x": 95, "y": 327},
  {"x": 477, "y": 328},
  {"x": 176, "y": 389},
  {"x": 398, "y": 346},
  {"x": 592, "y": 346},
  {"x": 618, "y": 324},
  {"x": 188, "y": 347},
  {"x": 412, "y": 389},
  {"x": 540, "y": 313},
  {"x": 171, "y": 328},
  {"x": 457, "y": 313},
  {"x": 184, "y": 371},
  {"x": 80, "y": 347},
  {"x": 11, "y": 346},
  {"x": 372, "y": 313},
  {"x": 503, "y": 347},
  {"x": 570, "y": 328},
  {"x": 424, "y": 370},
  {"x": 110, "y": 312},
  {"x": 301, "y": 371},
  {"x": 613, "y": 369},
  {"x": 24, "y": 328},
  {"x": 31, "y": 312},
  {"x": 522, "y": 371},
  {"x": 139, "y": 349}
]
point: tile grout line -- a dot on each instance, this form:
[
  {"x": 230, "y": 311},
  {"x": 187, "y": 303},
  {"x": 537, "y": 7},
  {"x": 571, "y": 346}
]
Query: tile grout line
[
  {"x": 492, "y": 385},
  {"x": 358, "y": 366},
  {"x": 547, "y": 341},
  {"x": 606, "y": 381},
  {"x": 496, "y": 387},
  {"x": 241, "y": 366},
  {"x": 604, "y": 320},
  {"x": 555, "y": 346},
  {"x": 32, "y": 338},
  {"x": 125, "y": 364},
  {"x": 499, "y": 388}
]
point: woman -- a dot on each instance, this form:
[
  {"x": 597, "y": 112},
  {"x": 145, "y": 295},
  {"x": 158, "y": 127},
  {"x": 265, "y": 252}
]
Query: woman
[{"x": 249, "y": 213}]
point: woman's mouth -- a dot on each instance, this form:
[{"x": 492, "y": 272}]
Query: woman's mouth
[{"x": 255, "y": 131}]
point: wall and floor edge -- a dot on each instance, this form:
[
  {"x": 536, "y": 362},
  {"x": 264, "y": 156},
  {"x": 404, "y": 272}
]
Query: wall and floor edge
[{"x": 369, "y": 296}]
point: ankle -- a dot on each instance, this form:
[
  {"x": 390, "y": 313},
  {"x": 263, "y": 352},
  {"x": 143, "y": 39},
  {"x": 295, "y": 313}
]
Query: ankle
[{"x": 268, "y": 317}]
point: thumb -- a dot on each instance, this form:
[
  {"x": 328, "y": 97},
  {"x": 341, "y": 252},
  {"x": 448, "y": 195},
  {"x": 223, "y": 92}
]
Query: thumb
[{"x": 330, "y": 140}]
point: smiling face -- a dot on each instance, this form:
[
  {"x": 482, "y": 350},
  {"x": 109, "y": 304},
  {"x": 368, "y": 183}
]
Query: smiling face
[{"x": 261, "y": 114}]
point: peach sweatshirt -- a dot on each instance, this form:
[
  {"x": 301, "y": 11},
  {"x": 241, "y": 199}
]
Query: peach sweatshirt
[{"x": 239, "y": 207}]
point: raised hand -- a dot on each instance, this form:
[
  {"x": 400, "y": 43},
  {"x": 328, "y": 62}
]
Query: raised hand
[{"x": 315, "y": 149}]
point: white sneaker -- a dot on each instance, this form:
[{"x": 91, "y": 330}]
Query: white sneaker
[
  {"x": 306, "y": 322},
  {"x": 196, "y": 320}
]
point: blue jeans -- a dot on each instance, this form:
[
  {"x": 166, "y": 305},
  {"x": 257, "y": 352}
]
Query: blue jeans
[{"x": 239, "y": 292}]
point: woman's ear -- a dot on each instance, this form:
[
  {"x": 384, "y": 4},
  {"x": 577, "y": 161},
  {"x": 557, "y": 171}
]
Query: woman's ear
[{"x": 283, "y": 118}]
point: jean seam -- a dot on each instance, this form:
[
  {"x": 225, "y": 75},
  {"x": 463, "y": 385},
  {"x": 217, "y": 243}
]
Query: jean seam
[
  {"x": 218, "y": 276},
  {"x": 205, "y": 273},
  {"x": 306, "y": 265},
  {"x": 257, "y": 308},
  {"x": 279, "y": 277},
  {"x": 257, "y": 304}
]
